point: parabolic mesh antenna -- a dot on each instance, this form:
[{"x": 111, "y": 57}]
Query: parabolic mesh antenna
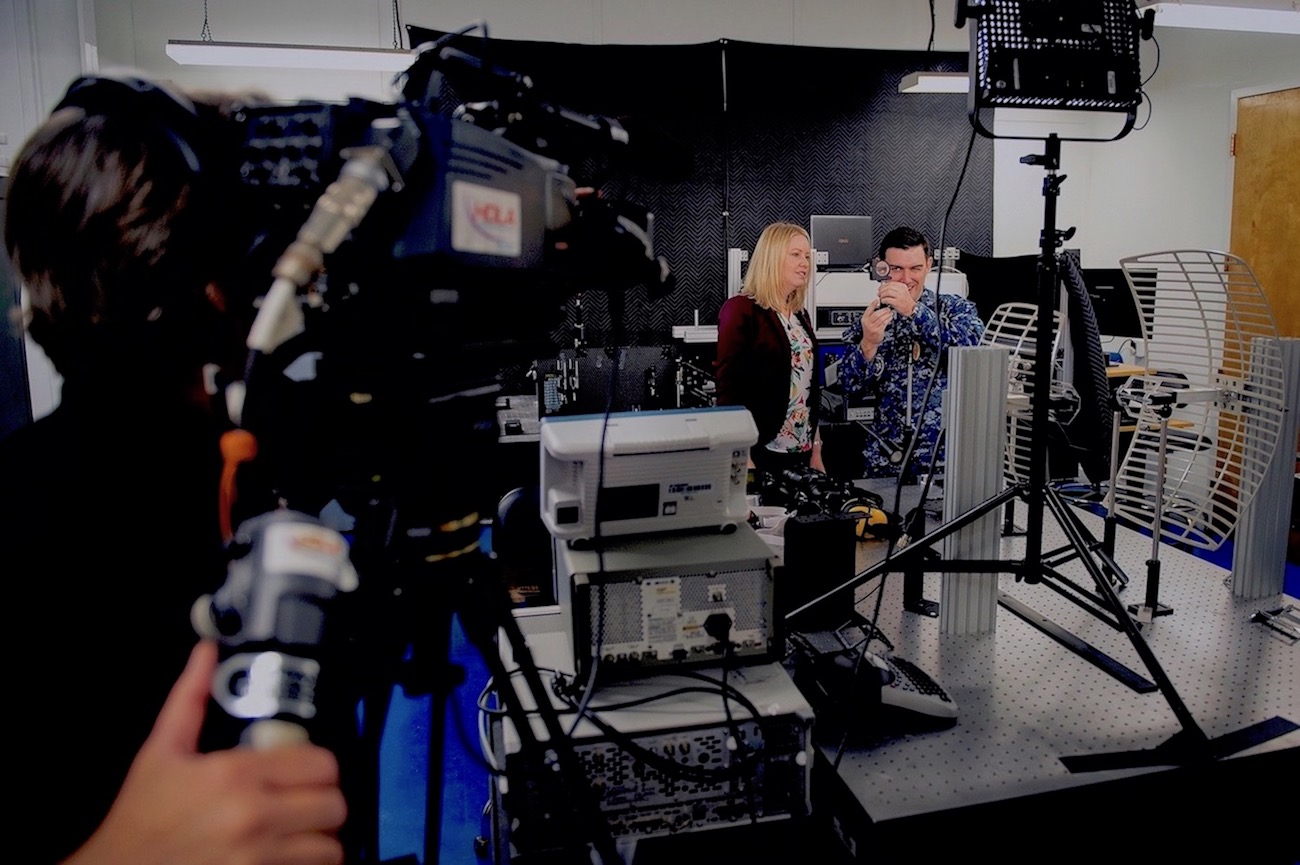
[{"x": 1207, "y": 414}]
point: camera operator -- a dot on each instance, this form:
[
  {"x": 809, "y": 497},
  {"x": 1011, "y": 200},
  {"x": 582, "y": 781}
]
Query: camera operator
[
  {"x": 896, "y": 347},
  {"x": 121, "y": 226}
]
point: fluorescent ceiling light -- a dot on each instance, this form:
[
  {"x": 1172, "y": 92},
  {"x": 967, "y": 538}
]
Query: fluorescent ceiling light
[
  {"x": 934, "y": 82},
  {"x": 1208, "y": 16},
  {"x": 254, "y": 54}
]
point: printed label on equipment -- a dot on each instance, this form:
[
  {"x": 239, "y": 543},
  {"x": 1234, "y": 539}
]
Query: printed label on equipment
[
  {"x": 485, "y": 220},
  {"x": 661, "y": 601},
  {"x": 310, "y": 550}
]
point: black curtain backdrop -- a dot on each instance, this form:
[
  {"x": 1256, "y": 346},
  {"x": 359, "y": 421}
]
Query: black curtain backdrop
[{"x": 737, "y": 135}]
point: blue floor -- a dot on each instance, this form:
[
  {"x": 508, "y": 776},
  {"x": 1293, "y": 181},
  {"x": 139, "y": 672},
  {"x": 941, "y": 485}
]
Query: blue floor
[
  {"x": 404, "y": 759},
  {"x": 1223, "y": 558},
  {"x": 465, "y": 777}
]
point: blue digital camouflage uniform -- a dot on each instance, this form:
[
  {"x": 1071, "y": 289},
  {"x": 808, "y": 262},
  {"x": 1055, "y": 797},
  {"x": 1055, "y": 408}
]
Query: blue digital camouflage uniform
[{"x": 911, "y": 341}]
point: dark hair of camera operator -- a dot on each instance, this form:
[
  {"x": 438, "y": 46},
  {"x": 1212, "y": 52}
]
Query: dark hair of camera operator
[
  {"x": 896, "y": 345},
  {"x": 109, "y": 515},
  {"x": 767, "y": 351}
]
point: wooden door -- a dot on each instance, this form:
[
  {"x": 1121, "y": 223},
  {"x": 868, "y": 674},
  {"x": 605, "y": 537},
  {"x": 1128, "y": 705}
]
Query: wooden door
[
  {"x": 1266, "y": 199},
  {"x": 1266, "y": 213}
]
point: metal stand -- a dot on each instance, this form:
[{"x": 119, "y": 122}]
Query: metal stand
[
  {"x": 914, "y": 600},
  {"x": 1190, "y": 745},
  {"x": 418, "y": 552},
  {"x": 1119, "y": 579},
  {"x": 1151, "y": 607}
]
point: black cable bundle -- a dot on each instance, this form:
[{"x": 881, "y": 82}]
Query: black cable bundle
[{"x": 1090, "y": 432}]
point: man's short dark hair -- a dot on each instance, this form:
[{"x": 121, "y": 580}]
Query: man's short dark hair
[{"x": 904, "y": 238}]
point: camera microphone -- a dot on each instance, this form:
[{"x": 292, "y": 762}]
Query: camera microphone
[
  {"x": 520, "y": 113},
  {"x": 474, "y": 76}
]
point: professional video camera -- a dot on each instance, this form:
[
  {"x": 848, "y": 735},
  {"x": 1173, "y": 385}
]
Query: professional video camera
[
  {"x": 427, "y": 244},
  {"x": 439, "y": 243}
]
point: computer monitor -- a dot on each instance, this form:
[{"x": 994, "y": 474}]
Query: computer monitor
[
  {"x": 848, "y": 241},
  {"x": 1112, "y": 301},
  {"x": 993, "y": 281}
]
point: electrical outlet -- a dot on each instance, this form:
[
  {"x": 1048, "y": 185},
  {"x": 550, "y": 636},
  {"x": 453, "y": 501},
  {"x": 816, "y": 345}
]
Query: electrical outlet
[{"x": 822, "y": 256}]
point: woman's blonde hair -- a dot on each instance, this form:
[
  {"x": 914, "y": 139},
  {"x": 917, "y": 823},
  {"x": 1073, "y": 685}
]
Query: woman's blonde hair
[{"x": 763, "y": 280}]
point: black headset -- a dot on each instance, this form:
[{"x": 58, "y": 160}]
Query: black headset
[
  {"x": 146, "y": 101},
  {"x": 202, "y": 151}
]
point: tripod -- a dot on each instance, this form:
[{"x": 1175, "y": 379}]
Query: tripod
[
  {"x": 420, "y": 559},
  {"x": 417, "y": 549},
  {"x": 1191, "y": 744}
]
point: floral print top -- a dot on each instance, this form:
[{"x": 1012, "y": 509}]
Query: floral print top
[{"x": 796, "y": 435}]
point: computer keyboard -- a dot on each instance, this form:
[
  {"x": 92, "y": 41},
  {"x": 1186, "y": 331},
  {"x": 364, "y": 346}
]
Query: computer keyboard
[{"x": 908, "y": 687}]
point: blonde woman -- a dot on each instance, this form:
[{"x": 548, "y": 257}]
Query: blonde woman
[{"x": 767, "y": 352}]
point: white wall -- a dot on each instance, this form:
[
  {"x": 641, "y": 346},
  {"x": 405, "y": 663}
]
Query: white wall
[
  {"x": 43, "y": 46},
  {"x": 1165, "y": 186},
  {"x": 138, "y": 38}
]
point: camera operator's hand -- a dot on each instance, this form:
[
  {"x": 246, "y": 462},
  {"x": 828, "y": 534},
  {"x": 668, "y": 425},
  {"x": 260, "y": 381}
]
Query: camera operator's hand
[
  {"x": 238, "y": 807},
  {"x": 875, "y": 319}
]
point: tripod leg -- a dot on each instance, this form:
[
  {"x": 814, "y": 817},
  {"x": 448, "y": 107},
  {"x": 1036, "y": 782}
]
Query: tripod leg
[{"x": 487, "y": 614}]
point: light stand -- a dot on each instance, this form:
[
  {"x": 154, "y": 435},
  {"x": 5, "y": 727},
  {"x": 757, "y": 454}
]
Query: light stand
[{"x": 1190, "y": 745}]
